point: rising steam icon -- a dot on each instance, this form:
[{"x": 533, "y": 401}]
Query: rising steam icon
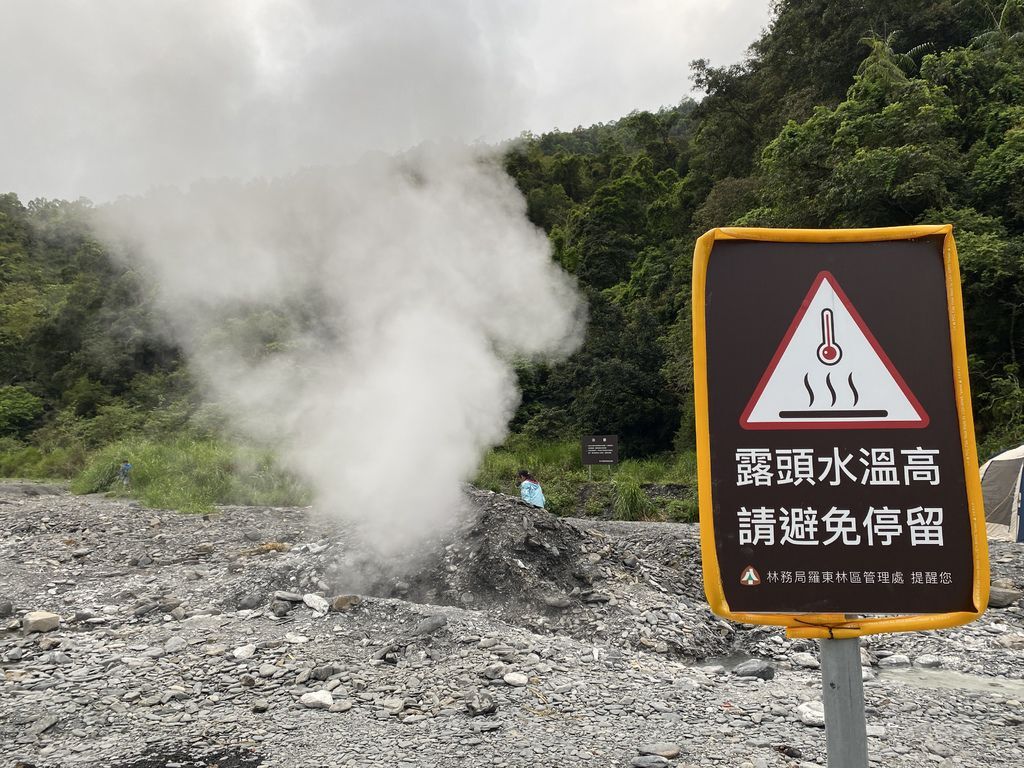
[
  {"x": 829, "y": 353},
  {"x": 829, "y": 371}
]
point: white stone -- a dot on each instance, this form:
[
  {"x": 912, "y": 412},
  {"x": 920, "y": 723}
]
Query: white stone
[
  {"x": 40, "y": 621},
  {"x": 812, "y": 713},
  {"x": 175, "y": 644},
  {"x": 896, "y": 660},
  {"x": 317, "y": 700},
  {"x": 244, "y": 651},
  {"x": 805, "y": 660},
  {"x": 516, "y": 679},
  {"x": 316, "y": 603}
]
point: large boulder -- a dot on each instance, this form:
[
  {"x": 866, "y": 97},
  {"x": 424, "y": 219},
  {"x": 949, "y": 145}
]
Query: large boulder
[
  {"x": 40, "y": 621},
  {"x": 755, "y": 668},
  {"x": 1003, "y": 597}
]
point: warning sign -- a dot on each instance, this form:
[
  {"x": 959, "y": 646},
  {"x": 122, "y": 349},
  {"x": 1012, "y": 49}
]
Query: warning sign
[
  {"x": 599, "y": 449},
  {"x": 829, "y": 372},
  {"x": 836, "y": 457}
]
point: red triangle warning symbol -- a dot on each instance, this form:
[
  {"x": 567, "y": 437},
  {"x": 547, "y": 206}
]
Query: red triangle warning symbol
[{"x": 830, "y": 372}]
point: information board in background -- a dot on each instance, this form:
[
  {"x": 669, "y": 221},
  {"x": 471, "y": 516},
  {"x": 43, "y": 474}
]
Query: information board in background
[
  {"x": 600, "y": 449},
  {"x": 836, "y": 457}
]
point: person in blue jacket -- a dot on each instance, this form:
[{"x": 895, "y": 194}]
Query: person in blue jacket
[
  {"x": 124, "y": 473},
  {"x": 529, "y": 489}
]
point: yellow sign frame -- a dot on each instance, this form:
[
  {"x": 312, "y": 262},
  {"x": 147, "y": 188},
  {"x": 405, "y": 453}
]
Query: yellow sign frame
[{"x": 837, "y": 625}]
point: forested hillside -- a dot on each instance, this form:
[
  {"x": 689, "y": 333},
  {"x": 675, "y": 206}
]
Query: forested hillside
[{"x": 844, "y": 115}]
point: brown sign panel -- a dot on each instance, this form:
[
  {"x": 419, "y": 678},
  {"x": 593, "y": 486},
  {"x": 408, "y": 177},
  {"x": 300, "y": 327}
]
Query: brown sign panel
[
  {"x": 600, "y": 449},
  {"x": 835, "y": 456}
]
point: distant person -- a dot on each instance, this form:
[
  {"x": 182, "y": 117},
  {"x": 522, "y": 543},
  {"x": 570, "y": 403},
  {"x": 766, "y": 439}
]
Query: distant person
[
  {"x": 529, "y": 489},
  {"x": 124, "y": 473}
]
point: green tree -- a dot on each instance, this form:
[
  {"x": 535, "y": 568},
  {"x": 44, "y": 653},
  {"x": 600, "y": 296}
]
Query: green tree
[{"x": 19, "y": 410}]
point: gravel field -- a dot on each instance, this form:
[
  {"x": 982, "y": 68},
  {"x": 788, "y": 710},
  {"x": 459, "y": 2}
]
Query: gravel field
[{"x": 268, "y": 637}]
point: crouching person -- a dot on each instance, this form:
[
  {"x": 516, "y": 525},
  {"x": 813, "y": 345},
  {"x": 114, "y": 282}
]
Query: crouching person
[{"x": 529, "y": 489}]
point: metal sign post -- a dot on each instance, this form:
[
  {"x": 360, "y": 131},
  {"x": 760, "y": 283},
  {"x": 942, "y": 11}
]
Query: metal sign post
[
  {"x": 838, "y": 477},
  {"x": 846, "y": 736}
]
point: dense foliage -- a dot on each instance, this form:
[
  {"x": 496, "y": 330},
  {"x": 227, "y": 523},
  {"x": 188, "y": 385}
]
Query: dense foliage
[
  {"x": 835, "y": 120},
  {"x": 844, "y": 114}
]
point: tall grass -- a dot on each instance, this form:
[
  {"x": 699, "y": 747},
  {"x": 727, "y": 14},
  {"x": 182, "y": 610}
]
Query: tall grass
[
  {"x": 572, "y": 489},
  {"x": 629, "y": 500},
  {"x": 190, "y": 475},
  {"x": 195, "y": 473},
  {"x": 32, "y": 463}
]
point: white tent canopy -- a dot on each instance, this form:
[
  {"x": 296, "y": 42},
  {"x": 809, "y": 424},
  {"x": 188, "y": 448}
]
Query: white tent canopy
[{"x": 1002, "y": 485}]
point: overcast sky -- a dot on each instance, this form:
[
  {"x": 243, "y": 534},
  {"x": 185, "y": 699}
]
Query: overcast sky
[{"x": 109, "y": 97}]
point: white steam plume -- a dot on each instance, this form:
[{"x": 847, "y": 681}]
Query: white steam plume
[{"x": 395, "y": 290}]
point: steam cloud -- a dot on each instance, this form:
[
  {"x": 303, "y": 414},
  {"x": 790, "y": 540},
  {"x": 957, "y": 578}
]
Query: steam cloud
[{"x": 395, "y": 290}]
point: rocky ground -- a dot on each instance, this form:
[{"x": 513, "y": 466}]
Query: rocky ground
[{"x": 266, "y": 637}]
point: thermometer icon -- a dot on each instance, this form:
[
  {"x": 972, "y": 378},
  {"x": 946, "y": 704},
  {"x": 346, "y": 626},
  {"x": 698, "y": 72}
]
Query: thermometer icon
[{"x": 828, "y": 351}]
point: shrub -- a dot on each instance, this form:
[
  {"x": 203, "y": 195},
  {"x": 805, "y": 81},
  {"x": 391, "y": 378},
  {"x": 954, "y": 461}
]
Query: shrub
[
  {"x": 629, "y": 502},
  {"x": 19, "y": 410}
]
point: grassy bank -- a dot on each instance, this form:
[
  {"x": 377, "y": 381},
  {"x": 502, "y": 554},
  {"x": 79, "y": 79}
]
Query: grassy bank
[
  {"x": 572, "y": 489},
  {"x": 193, "y": 474}
]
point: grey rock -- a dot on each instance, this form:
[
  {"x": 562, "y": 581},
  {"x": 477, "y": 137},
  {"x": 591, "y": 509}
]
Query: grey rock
[
  {"x": 290, "y": 597},
  {"x": 1003, "y": 597},
  {"x": 42, "y": 724},
  {"x": 661, "y": 748},
  {"x": 1014, "y": 642},
  {"x": 260, "y": 705},
  {"x": 341, "y": 706},
  {"x": 280, "y": 608},
  {"x": 40, "y": 621},
  {"x": 478, "y": 704},
  {"x": 938, "y": 748},
  {"x": 250, "y": 601},
  {"x": 6, "y": 608},
  {"x": 648, "y": 761},
  {"x": 804, "y": 660},
  {"x": 755, "y": 668},
  {"x": 322, "y": 672},
  {"x": 493, "y": 671},
  {"x": 561, "y": 602},
  {"x": 431, "y": 624},
  {"x": 343, "y": 603},
  {"x": 896, "y": 660}
]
